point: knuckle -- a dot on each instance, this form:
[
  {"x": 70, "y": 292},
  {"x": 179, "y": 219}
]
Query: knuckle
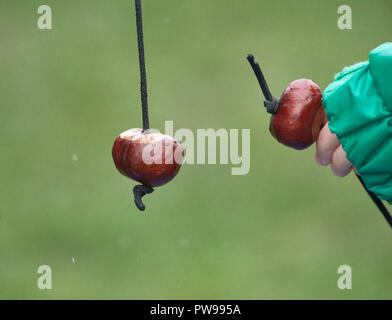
[
  {"x": 323, "y": 160},
  {"x": 338, "y": 171}
]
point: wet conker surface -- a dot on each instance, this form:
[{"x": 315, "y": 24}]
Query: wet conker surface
[
  {"x": 164, "y": 155},
  {"x": 300, "y": 116}
]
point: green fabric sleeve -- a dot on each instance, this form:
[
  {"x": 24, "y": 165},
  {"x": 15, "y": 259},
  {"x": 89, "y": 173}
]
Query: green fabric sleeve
[{"x": 359, "y": 110}]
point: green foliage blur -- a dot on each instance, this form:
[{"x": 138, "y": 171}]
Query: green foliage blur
[{"x": 280, "y": 232}]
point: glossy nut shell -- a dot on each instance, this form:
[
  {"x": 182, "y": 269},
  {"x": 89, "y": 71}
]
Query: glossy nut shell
[
  {"x": 152, "y": 159},
  {"x": 300, "y": 116}
]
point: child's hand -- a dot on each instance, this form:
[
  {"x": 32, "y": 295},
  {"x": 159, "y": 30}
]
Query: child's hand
[
  {"x": 358, "y": 105},
  {"x": 329, "y": 151}
]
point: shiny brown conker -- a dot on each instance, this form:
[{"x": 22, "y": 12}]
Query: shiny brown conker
[
  {"x": 150, "y": 158},
  {"x": 300, "y": 116}
]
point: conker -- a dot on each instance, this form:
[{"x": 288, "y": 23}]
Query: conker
[
  {"x": 152, "y": 159},
  {"x": 164, "y": 155},
  {"x": 300, "y": 116}
]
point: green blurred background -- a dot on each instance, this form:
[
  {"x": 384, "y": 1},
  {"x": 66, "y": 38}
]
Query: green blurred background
[{"x": 279, "y": 232}]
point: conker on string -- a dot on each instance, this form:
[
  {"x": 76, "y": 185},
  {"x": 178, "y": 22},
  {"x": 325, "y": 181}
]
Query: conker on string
[
  {"x": 152, "y": 159},
  {"x": 298, "y": 116}
]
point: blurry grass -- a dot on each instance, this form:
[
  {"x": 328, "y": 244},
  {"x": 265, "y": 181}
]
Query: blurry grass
[{"x": 279, "y": 232}]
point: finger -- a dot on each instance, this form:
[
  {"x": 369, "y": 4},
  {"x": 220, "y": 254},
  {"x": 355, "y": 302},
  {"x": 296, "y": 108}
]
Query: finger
[
  {"x": 327, "y": 143},
  {"x": 340, "y": 166}
]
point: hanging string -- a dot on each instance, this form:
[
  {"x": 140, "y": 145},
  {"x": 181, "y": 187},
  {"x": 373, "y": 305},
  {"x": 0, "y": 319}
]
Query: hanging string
[
  {"x": 142, "y": 64},
  {"x": 140, "y": 191},
  {"x": 380, "y": 205}
]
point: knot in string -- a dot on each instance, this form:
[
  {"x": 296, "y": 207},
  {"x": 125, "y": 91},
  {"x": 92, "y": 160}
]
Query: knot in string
[
  {"x": 139, "y": 192},
  {"x": 272, "y": 105}
]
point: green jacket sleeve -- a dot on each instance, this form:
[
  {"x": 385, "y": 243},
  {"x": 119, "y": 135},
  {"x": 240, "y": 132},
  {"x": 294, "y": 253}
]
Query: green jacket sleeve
[{"x": 359, "y": 110}]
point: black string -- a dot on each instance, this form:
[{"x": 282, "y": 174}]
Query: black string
[
  {"x": 142, "y": 64},
  {"x": 377, "y": 202},
  {"x": 270, "y": 102},
  {"x": 140, "y": 191}
]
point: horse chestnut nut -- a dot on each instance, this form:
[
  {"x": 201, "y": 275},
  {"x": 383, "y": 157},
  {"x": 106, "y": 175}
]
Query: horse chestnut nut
[
  {"x": 152, "y": 159},
  {"x": 300, "y": 116}
]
